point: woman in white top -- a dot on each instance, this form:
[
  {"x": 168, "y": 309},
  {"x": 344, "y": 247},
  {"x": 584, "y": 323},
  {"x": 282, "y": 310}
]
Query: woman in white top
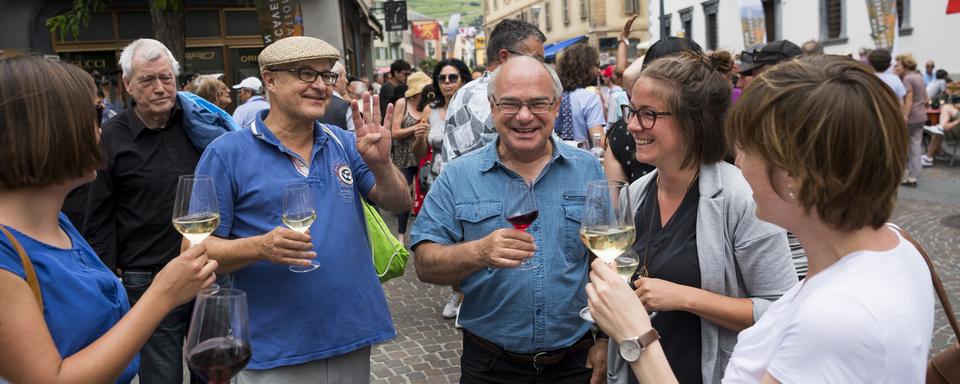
[{"x": 821, "y": 142}]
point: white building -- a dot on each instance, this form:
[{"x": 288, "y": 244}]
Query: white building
[{"x": 842, "y": 26}]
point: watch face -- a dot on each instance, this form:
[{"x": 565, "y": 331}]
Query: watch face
[{"x": 630, "y": 350}]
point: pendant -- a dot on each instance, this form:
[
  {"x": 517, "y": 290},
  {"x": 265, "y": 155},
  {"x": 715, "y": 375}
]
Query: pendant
[{"x": 643, "y": 273}]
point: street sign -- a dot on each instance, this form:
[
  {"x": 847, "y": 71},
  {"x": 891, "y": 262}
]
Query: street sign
[{"x": 395, "y": 15}]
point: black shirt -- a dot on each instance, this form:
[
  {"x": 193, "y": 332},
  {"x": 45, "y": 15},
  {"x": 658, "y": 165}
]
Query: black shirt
[
  {"x": 672, "y": 256},
  {"x": 130, "y": 204},
  {"x": 623, "y": 148},
  {"x": 390, "y": 94}
]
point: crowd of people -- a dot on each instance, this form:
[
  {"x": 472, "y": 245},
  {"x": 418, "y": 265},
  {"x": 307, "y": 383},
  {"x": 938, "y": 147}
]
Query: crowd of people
[{"x": 761, "y": 186}]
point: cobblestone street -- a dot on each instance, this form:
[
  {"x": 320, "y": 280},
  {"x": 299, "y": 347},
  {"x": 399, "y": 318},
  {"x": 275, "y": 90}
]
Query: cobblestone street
[{"x": 427, "y": 348}]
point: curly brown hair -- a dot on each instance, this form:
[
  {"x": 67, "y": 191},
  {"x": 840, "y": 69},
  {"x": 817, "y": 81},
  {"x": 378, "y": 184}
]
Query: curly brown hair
[{"x": 577, "y": 67}]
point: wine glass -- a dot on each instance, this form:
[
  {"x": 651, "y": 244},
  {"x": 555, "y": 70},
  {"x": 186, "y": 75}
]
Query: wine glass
[
  {"x": 520, "y": 210},
  {"x": 195, "y": 211},
  {"x": 607, "y": 228},
  {"x": 218, "y": 341},
  {"x": 298, "y": 215}
]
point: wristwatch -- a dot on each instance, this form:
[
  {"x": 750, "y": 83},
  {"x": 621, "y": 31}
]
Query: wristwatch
[{"x": 631, "y": 347}]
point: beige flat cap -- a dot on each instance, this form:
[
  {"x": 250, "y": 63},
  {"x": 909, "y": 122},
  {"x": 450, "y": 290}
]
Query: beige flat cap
[{"x": 296, "y": 48}]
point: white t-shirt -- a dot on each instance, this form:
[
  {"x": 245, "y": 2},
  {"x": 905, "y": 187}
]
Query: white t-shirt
[
  {"x": 868, "y": 318},
  {"x": 894, "y": 82}
]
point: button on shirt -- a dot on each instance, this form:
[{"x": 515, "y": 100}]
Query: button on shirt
[
  {"x": 130, "y": 204},
  {"x": 301, "y": 317},
  {"x": 246, "y": 112},
  {"x": 522, "y": 311}
]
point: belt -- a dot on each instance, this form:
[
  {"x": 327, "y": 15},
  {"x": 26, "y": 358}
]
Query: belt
[
  {"x": 150, "y": 270},
  {"x": 538, "y": 359}
]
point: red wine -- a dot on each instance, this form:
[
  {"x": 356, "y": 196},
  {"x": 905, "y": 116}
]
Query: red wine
[
  {"x": 523, "y": 221},
  {"x": 219, "y": 358}
]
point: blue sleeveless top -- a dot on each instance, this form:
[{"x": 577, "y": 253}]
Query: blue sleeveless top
[{"x": 82, "y": 299}]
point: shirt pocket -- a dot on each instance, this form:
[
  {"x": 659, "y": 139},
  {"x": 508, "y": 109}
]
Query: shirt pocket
[
  {"x": 479, "y": 219},
  {"x": 573, "y": 248}
]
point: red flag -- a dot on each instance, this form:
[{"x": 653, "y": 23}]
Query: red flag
[
  {"x": 427, "y": 31},
  {"x": 953, "y": 6}
]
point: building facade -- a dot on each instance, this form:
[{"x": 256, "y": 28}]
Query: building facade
[
  {"x": 599, "y": 20},
  {"x": 842, "y": 26}
]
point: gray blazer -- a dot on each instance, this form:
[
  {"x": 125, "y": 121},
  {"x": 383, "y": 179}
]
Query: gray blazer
[{"x": 740, "y": 256}]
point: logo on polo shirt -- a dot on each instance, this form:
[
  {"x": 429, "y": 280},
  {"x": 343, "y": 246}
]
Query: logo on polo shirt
[{"x": 344, "y": 174}]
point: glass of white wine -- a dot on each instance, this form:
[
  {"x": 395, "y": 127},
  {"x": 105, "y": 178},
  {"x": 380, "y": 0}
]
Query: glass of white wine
[
  {"x": 607, "y": 227},
  {"x": 195, "y": 211},
  {"x": 299, "y": 215}
]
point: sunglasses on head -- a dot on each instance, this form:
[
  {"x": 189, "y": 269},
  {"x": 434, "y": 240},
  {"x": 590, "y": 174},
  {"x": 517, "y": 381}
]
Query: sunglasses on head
[{"x": 451, "y": 78}]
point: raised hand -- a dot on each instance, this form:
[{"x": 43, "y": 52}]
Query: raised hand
[{"x": 373, "y": 136}]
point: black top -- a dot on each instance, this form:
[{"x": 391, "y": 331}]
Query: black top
[
  {"x": 672, "y": 256},
  {"x": 390, "y": 94},
  {"x": 624, "y": 151},
  {"x": 130, "y": 204},
  {"x": 336, "y": 113}
]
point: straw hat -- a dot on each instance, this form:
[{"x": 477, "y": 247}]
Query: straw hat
[
  {"x": 296, "y": 48},
  {"x": 416, "y": 82}
]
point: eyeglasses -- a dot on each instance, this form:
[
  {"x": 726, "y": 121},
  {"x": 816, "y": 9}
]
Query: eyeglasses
[
  {"x": 451, "y": 78},
  {"x": 310, "y": 75},
  {"x": 538, "y": 57},
  {"x": 511, "y": 107},
  {"x": 646, "y": 117}
]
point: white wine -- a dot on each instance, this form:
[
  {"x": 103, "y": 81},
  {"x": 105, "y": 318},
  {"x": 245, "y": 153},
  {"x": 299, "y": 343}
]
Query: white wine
[
  {"x": 198, "y": 226},
  {"x": 626, "y": 266},
  {"x": 608, "y": 242},
  {"x": 300, "y": 221}
]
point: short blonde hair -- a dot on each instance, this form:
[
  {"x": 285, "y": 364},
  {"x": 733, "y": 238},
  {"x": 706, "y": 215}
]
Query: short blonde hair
[
  {"x": 835, "y": 127},
  {"x": 907, "y": 61},
  {"x": 207, "y": 87}
]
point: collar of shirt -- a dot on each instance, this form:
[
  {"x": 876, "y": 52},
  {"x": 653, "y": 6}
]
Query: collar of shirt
[
  {"x": 137, "y": 125},
  {"x": 489, "y": 157},
  {"x": 262, "y": 132},
  {"x": 254, "y": 98}
]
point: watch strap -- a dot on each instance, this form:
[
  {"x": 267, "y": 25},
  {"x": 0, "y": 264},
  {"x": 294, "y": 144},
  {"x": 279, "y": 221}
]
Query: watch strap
[{"x": 648, "y": 338}]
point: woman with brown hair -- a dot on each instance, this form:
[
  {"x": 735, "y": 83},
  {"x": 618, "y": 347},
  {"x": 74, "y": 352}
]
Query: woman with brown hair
[
  {"x": 699, "y": 242},
  {"x": 66, "y": 317},
  {"x": 822, "y": 142},
  {"x": 914, "y": 111},
  {"x": 581, "y": 112}
]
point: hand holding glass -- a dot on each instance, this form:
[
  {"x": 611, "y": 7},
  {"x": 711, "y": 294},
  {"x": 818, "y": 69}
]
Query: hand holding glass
[
  {"x": 218, "y": 341},
  {"x": 607, "y": 228},
  {"x": 299, "y": 215},
  {"x": 520, "y": 209},
  {"x": 195, "y": 211}
]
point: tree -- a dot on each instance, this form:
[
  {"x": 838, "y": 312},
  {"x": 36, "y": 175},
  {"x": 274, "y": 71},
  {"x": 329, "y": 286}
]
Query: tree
[{"x": 168, "y": 18}]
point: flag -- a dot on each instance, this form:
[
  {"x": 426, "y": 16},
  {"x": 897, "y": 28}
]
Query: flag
[
  {"x": 752, "y": 23},
  {"x": 429, "y": 30},
  {"x": 453, "y": 26},
  {"x": 883, "y": 23},
  {"x": 279, "y": 19},
  {"x": 953, "y": 6}
]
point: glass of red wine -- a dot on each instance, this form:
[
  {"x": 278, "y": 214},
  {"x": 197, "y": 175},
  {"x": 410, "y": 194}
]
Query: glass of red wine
[
  {"x": 218, "y": 342},
  {"x": 520, "y": 210}
]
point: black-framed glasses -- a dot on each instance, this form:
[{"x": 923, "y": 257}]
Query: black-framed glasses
[
  {"x": 515, "y": 52},
  {"x": 511, "y": 107},
  {"x": 646, "y": 117},
  {"x": 451, "y": 78},
  {"x": 310, "y": 75}
]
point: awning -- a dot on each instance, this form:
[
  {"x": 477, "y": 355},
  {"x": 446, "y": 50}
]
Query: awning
[{"x": 551, "y": 50}]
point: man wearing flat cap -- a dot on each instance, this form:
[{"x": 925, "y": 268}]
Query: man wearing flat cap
[{"x": 317, "y": 325}]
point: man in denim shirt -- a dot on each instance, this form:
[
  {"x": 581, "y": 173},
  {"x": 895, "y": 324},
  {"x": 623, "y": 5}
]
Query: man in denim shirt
[{"x": 519, "y": 325}]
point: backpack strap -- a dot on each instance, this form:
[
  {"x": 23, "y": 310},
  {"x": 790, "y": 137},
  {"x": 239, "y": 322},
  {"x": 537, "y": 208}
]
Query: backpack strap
[
  {"x": 937, "y": 284},
  {"x": 27, "y": 266}
]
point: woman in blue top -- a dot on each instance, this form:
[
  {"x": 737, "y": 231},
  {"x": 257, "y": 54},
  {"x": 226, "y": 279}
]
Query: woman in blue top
[{"x": 84, "y": 331}]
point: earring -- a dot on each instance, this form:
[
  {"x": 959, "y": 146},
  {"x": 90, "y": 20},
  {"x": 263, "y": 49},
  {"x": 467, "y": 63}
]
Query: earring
[{"x": 792, "y": 196}]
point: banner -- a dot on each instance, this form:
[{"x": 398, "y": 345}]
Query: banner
[
  {"x": 883, "y": 23},
  {"x": 953, "y": 6},
  {"x": 427, "y": 30},
  {"x": 752, "y": 22},
  {"x": 279, "y": 19},
  {"x": 395, "y": 15},
  {"x": 452, "y": 27}
]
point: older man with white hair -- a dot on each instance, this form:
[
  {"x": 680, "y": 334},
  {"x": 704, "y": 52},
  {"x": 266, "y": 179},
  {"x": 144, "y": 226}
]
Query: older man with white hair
[
  {"x": 147, "y": 148},
  {"x": 318, "y": 325}
]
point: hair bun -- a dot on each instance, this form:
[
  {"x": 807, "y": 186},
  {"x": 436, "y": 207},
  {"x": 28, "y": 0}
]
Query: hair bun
[{"x": 722, "y": 61}]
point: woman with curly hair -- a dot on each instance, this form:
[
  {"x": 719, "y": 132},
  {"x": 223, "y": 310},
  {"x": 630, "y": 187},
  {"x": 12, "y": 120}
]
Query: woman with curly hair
[{"x": 581, "y": 112}]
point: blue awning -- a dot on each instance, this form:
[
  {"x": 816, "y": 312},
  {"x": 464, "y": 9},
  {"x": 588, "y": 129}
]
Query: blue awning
[{"x": 551, "y": 50}]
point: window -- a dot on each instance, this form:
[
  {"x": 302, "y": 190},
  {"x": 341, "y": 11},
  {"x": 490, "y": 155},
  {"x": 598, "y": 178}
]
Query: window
[
  {"x": 903, "y": 17},
  {"x": 134, "y": 25},
  {"x": 832, "y": 26},
  {"x": 686, "y": 20},
  {"x": 710, "y": 22},
  {"x": 566, "y": 11},
  {"x": 771, "y": 17},
  {"x": 583, "y": 10},
  {"x": 631, "y": 7},
  {"x": 546, "y": 11},
  {"x": 100, "y": 28},
  {"x": 202, "y": 24},
  {"x": 495, "y": 4},
  {"x": 242, "y": 23},
  {"x": 666, "y": 24}
]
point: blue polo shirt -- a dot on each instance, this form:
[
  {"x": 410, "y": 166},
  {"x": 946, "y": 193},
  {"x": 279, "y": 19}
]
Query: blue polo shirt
[
  {"x": 521, "y": 311},
  {"x": 300, "y": 317}
]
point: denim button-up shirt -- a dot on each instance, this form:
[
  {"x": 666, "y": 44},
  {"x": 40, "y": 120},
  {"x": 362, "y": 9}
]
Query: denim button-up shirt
[{"x": 520, "y": 310}]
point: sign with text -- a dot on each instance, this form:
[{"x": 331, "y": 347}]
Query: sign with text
[
  {"x": 752, "y": 22},
  {"x": 279, "y": 19},
  {"x": 883, "y": 22},
  {"x": 395, "y": 15}
]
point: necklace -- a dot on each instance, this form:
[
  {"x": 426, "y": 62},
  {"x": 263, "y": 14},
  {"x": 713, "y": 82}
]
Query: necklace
[{"x": 644, "y": 272}]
